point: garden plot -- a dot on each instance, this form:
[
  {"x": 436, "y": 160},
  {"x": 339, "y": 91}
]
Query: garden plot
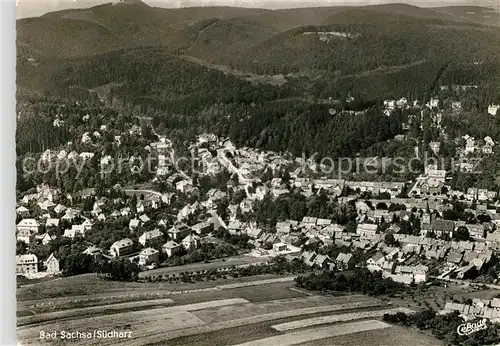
[
  {"x": 163, "y": 336},
  {"x": 139, "y": 322},
  {"x": 309, "y": 335},
  {"x": 337, "y": 318},
  {"x": 306, "y": 305},
  {"x": 108, "y": 309}
]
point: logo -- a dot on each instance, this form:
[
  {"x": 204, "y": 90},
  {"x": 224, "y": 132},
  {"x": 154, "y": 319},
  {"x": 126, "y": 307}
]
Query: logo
[{"x": 469, "y": 328}]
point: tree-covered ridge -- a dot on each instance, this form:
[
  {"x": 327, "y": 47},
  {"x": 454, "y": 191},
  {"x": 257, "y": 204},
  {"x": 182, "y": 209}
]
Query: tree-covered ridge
[{"x": 375, "y": 46}]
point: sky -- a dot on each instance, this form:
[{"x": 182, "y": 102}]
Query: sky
[{"x": 34, "y": 8}]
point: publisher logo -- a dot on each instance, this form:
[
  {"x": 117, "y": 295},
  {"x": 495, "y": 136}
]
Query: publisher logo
[{"x": 469, "y": 328}]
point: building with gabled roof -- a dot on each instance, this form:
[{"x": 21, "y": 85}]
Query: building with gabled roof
[
  {"x": 121, "y": 247},
  {"x": 52, "y": 264},
  {"x": 148, "y": 256},
  {"x": 191, "y": 242},
  {"x": 170, "y": 248},
  {"x": 155, "y": 234},
  {"x": 26, "y": 264}
]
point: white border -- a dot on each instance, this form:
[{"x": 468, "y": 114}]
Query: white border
[{"x": 7, "y": 173}]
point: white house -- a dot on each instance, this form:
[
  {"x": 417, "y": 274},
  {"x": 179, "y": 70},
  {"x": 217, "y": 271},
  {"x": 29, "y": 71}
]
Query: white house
[
  {"x": 52, "y": 222},
  {"x": 470, "y": 145},
  {"x": 25, "y": 235},
  {"x": 26, "y": 264},
  {"x": 74, "y": 231},
  {"x": 493, "y": 109},
  {"x": 22, "y": 210},
  {"x": 47, "y": 238},
  {"x": 133, "y": 224},
  {"x": 170, "y": 248},
  {"x": 148, "y": 256},
  {"x": 367, "y": 231},
  {"x": 121, "y": 247},
  {"x": 375, "y": 262},
  {"x": 28, "y": 224},
  {"x": 191, "y": 242},
  {"x": 52, "y": 264},
  {"x": 150, "y": 236}
]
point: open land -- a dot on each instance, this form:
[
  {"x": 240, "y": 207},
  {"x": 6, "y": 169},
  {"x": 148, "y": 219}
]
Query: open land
[{"x": 263, "y": 310}]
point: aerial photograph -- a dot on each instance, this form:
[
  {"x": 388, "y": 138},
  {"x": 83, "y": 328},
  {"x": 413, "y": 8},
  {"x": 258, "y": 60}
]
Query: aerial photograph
[{"x": 258, "y": 173}]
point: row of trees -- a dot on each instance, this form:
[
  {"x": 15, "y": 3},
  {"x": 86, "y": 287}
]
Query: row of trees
[{"x": 360, "y": 281}]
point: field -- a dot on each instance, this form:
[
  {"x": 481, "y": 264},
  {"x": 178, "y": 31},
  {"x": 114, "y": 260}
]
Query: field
[{"x": 263, "y": 310}]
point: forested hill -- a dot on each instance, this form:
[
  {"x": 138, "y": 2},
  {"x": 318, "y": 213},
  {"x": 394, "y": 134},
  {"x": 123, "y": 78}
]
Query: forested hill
[{"x": 266, "y": 77}]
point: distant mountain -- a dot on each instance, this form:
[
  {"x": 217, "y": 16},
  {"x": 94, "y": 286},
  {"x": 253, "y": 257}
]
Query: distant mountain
[
  {"x": 266, "y": 78},
  {"x": 325, "y": 51}
]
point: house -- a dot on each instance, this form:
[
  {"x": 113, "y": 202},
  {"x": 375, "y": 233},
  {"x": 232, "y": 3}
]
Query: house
[
  {"x": 466, "y": 272},
  {"x": 144, "y": 218},
  {"x": 188, "y": 210},
  {"x": 375, "y": 262},
  {"x": 470, "y": 145},
  {"x": 278, "y": 247},
  {"x": 493, "y": 109},
  {"x": 25, "y": 235},
  {"x": 454, "y": 257},
  {"x": 439, "y": 228},
  {"x": 367, "y": 231},
  {"x": 52, "y": 264},
  {"x": 321, "y": 261},
  {"x": 235, "y": 227},
  {"x": 45, "y": 205},
  {"x": 28, "y": 224},
  {"x": 94, "y": 251},
  {"x": 416, "y": 274},
  {"x": 253, "y": 231},
  {"x": 133, "y": 224},
  {"x": 26, "y": 264},
  {"x": 309, "y": 221},
  {"x": 170, "y": 248},
  {"x": 70, "y": 214},
  {"x": 183, "y": 185},
  {"x": 283, "y": 227},
  {"x": 121, "y": 247},
  {"x": 202, "y": 228},
  {"x": 148, "y": 256},
  {"x": 52, "y": 222},
  {"x": 191, "y": 242},
  {"x": 22, "y": 210},
  {"x": 308, "y": 257},
  {"x": 179, "y": 232},
  {"x": 150, "y": 236},
  {"x": 47, "y": 238},
  {"x": 344, "y": 261},
  {"x": 74, "y": 231},
  {"x": 487, "y": 148}
]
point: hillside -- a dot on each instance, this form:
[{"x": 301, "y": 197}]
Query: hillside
[
  {"x": 476, "y": 14},
  {"x": 257, "y": 74}
]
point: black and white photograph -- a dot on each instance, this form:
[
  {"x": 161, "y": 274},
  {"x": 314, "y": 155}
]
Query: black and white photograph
[{"x": 255, "y": 172}]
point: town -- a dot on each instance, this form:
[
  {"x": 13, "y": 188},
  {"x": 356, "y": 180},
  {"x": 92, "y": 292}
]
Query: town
[{"x": 247, "y": 206}]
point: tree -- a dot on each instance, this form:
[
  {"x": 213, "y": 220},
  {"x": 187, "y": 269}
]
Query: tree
[
  {"x": 222, "y": 206},
  {"x": 78, "y": 263},
  {"x": 462, "y": 233},
  {"x": 390, "y": 240},
  {"x": 21, "y": 248}
]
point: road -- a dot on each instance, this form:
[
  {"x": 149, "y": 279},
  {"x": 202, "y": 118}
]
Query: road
[
  {"x": 215, "y": 264},
  {"x": 156, "y": 193},
  {"x": 467, "y": 283}
]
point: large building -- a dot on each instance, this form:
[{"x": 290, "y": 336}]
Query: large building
[
  {"x": 122, "y": 247},
  {"x": 26, "y": 264}
]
